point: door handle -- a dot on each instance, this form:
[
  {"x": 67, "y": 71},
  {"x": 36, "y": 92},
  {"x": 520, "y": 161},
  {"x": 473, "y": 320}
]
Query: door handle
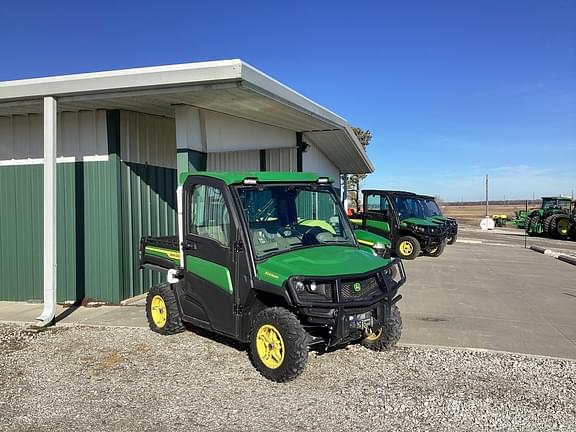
[{"x": 189, "y": 245}]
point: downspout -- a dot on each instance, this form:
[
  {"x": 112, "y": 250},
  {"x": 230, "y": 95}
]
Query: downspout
[{"x": 50, "y": 205}]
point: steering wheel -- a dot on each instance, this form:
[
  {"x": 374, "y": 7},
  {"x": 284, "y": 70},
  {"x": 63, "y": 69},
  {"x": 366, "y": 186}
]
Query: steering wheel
[
  {"x": 310, "y": 236},
  {"x": 287, "y": 231}
]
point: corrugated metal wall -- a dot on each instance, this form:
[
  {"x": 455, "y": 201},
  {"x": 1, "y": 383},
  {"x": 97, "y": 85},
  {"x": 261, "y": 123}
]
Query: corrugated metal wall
[
  {"x": 283, "y": 159},
  {"x": 148, "y": 209},
  {"x": 148, "y": 191},
  {"x": 87, "y": 240},
  {"x": 248, "y": 160}
]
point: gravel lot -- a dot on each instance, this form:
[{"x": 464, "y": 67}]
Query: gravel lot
[{"x": 95, "y": 378}]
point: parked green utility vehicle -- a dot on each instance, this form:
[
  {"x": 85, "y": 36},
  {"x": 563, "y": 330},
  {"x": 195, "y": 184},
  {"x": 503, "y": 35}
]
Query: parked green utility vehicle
[
  {"x": 405, "y": 219},
  {"x": 552, "y": 219},
  {"x": 270, "y": 259},
  {"x": 433, "y": 211}
]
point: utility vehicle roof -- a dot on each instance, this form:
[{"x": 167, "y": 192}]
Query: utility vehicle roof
[
  {"x": 561, "y": 198},
  {"x": 238, "y": 177},
  {"x": 393, "y": 192}
]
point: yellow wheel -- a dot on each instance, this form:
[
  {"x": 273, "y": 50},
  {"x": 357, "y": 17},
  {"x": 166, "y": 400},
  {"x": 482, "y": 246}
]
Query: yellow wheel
[
  {"x": 563, "y": 227},
  {"x": 278, "y": 344},
  {"x": 386, "y": 336},
  {"x": 407, "y": 247},
  {"x": 159, "y": 313},
  {"x": 162, "y": 310},
  {"x": 270, "y": 346},
  {"x": 374, "y": 336}
]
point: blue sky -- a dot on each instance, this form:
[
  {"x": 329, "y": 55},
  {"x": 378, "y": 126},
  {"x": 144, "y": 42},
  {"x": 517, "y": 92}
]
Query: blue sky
[{"x": 451, "y": 90}]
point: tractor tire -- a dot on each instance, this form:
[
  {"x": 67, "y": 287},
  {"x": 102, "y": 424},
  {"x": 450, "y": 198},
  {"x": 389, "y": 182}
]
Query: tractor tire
[
  {"x": 530, "y": 220},
  {"x": 162, "y": 310},
  {"x": 388, "y": 335},
  {"x": 549, "y": 229},
  {"x": 451, "y": 239},
  {"x": 278, "y": 345},
  {"x": 407, "y": 247},
  {"x": 436, "y": 251},
  {"x": 560, "y": 226}
]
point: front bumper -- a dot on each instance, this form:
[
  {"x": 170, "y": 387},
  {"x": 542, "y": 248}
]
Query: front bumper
[{"x": 343, "y": 319}]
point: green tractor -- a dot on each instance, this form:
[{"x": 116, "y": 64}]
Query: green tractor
[{"x": 552, "y": 219}]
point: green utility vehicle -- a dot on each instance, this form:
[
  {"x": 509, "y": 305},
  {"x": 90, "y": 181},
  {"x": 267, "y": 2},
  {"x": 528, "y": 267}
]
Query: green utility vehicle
[
  {"x": 405, "y": 219},
  {"x": 552, "y": 219},
  {"x": 270, "y": 259},
  {"x": 433, "y": 211}
]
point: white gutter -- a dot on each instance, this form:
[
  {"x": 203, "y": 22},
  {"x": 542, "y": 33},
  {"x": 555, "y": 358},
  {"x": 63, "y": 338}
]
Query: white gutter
[{"x": 50, "y": 273}]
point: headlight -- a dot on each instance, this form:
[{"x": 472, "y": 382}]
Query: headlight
[
  {"x": 418, "y": 228},
  {"x": 314, "y": 290},
  {"x": 382, "y": 250}
]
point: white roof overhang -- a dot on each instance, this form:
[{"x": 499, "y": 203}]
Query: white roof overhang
[{"x": 231, "y": 87}]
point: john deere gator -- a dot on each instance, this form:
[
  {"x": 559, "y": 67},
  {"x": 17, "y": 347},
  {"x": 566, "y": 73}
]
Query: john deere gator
[
  {"x": 405, "y": 219},
  {"x": 270, "y": 259}
]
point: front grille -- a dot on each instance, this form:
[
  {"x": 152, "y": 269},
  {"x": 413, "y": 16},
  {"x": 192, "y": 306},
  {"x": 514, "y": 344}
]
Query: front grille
[{"x": 368, "y": 288}]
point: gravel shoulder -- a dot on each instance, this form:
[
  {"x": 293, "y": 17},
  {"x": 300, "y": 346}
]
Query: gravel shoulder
[{"x": 130, "y": 379}]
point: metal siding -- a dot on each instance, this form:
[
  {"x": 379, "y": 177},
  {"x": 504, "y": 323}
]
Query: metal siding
[
  {"x": 248, "y": 160},
  {"x": 148, "y": 209},
  {"x": 86, "y": 259},
  {"x": 283, "y": 159},
  {"x": 148, "y": 139}
]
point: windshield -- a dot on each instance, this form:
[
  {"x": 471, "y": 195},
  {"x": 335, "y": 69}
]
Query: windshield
[
  {"x": 283, "y": 218},
  {"x": 556, "y": 203},
  {"x": 409, "y": 207},
  {"x": 432, "y": 208}
]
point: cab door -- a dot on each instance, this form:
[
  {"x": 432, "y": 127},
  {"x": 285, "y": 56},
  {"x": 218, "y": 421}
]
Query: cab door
[
  {"x": 377, "y": 214},
  {"x": 209, "y": 231}
]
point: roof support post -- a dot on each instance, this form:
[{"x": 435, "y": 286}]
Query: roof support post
[
  {"x": 191, "y": 153},
  {"x": 50, "y": 274}
]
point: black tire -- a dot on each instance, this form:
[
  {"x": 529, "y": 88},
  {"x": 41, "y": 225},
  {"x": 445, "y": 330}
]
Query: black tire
[
  {"x": 173, "y": 321},
  {"x": 555, "y": 225},
  {"x": 549, "y": 226},
  {"x": 437, "y": 250},
  {"x": 452, "y": 239},
  {"x": 389, "y": 335},
  {"x": 405, "y": 252},
  {"x": 530, "y": 220},
  {"x": 294, "y": 340}
]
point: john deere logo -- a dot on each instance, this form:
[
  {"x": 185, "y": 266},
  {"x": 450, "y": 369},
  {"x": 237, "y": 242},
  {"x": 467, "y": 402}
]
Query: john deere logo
[{"x": 357, "y": 287}]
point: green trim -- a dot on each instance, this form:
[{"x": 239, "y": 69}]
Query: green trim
[
  {"x": 115, "y": 216},
  {"x": 382, "y": 226},
  {"x": 212, "y": 272},
  {"x": 163, "y": 253},
  {"x": 188, "y": 160}
]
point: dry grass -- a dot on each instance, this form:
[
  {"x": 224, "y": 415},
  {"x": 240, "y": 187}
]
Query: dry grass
[{"x": 472, "y": 214}]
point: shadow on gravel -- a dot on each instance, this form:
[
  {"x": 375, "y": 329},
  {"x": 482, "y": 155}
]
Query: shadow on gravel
[{"x": 216, "y": 337}]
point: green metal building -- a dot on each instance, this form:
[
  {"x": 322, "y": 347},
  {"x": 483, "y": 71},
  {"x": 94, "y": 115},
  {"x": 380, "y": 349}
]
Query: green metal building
[{"x": 117, "y": 140}]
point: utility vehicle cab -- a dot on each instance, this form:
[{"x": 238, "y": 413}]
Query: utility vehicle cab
[
  {"x": 270, "y": 259},
  {"x": 405, "y": 219},
  {"x": 432, "y": 211}
]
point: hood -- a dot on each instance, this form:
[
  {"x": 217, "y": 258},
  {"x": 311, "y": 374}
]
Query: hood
[
  {"x": 318, "y": 261},
  {"x": 369, "y": 239},
  {"x": 420, "y": 221}
]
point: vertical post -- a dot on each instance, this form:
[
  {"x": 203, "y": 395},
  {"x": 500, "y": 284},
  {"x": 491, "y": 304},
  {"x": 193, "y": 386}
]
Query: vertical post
[
  {"x": 486, "y": 195},
  {"x": 50, "y": 274}
]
